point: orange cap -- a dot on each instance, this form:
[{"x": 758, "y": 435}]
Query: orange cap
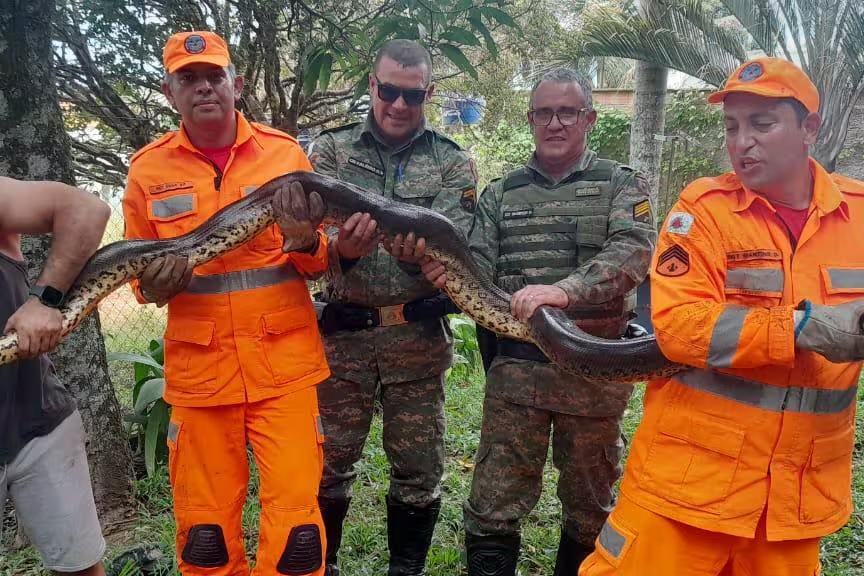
[
  {"x": 772, "y": 78},
  {"x": 186, "y": 48}
]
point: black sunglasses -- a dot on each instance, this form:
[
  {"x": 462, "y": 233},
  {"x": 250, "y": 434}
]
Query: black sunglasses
[{"x": 390, "y": 93}]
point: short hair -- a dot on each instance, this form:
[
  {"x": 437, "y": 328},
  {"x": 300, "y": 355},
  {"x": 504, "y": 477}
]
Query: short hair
[
  {"x": 801, "y": 111},
  {"x": 230, "y": 71},
  {"x": 406, "y": 53},
  {"x": 565, "y": 75}
]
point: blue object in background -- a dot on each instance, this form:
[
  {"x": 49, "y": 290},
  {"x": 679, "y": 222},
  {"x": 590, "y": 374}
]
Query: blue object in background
[{"x": 462, "y": 111}]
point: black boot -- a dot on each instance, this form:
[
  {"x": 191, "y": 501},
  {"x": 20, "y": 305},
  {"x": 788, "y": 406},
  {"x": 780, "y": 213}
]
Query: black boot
[
  {"x": 492, "y": 555},
  {"x": 409, "y": 533},
  {"x": 570, "y": 555},
  {"x": 333, "y": 511}
]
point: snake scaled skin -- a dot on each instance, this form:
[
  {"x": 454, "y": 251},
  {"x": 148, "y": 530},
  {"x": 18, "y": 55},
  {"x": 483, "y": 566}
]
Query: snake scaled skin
[{"x": 619, "y": 361}]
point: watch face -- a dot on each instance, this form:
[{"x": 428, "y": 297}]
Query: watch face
[{"x": 48, "y": 295}]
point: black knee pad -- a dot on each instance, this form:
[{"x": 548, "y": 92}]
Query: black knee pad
[
  {"x": 302, "y": 553},
  {"x": 205, "y": 546}
]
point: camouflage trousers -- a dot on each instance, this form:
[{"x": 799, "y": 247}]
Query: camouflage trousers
[
  {"x": 508, "y": 474},
  {"x": 413, "y": 437}
]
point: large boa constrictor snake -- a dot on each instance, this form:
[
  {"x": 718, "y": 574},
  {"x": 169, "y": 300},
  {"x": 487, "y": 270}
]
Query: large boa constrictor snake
[{"x": 621, "y": 361}]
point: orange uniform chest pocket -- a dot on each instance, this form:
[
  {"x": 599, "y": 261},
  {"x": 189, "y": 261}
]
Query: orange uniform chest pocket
[
  {"x": 841, "y": 283},
  {"x": 754, "y": 277},
  {"x": 175, "y": 212}
]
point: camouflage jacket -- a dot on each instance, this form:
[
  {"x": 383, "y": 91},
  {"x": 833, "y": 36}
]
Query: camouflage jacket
[
  {"x": 430, "y": 171},
  {"x": 592, "y": 234}
]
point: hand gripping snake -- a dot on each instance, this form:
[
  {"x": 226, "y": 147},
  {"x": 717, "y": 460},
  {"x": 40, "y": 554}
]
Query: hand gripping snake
[{"x": 619, "y": 361}]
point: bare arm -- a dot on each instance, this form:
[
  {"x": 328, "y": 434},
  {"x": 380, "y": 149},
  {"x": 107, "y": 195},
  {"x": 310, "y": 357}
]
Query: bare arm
[{"x": 76, "y": 219}]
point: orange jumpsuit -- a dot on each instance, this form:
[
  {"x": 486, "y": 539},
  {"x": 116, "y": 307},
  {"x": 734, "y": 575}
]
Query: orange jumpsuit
[
  {"x": 742, "y": 462},
  {"x": 242, "y": 357}
]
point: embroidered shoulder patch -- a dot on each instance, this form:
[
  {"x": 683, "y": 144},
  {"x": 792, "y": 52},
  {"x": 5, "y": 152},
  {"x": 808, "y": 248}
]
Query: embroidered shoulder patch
[
  {"x": 674, "y": 261},
  {"x": 469, "y": 199},
  {"x": 642, "y": 211},
  {"x": 679, "y": 223},
  {"x": 365, "y": 166}
]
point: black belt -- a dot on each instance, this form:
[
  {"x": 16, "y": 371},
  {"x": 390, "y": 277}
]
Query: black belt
[
  {"x": 336, "y": 317},
  {"x": 521, "y": 350}
]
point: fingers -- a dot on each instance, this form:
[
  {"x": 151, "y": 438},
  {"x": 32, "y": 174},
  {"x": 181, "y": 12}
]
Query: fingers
[
  {"x": 435, "y": 272},
  {"x": 316, "y": 208},
  {"x": 299, "y": 207},
  {"x": 280, "y": 202},
  {"x": 350, "y": 224}
]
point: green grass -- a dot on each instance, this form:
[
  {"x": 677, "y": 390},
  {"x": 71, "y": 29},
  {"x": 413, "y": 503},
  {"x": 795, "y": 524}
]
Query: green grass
[{"x": 364, "y": 549}]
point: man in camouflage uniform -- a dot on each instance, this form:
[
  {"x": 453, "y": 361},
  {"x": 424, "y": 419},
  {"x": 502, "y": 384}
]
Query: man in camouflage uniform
[
  {"x": 384, "y": 325},
  {"x": 573, "y": 231}
]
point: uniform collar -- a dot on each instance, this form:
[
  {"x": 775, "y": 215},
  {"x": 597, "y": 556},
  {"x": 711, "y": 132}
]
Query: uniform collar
[
  {"x": 370, "y": 130},
  {"x": 581, "y": 165},
  {"x": 245, "y": 132},
  {"x": 827, "y": 197}
]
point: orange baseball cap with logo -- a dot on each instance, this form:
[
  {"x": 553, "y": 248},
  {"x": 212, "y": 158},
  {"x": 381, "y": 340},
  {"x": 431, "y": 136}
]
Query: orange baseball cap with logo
[
  {"x": 772, "y": 78},
  {"x": 194, "y": 47}
]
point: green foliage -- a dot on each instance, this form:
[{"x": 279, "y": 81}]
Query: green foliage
[
  {"x": 446, "y": 27},
  {"x": 696, "y": 148},
  {"x": 148, "y": 424},
  {"x": 498, "y": 150},
  {"x": 466, "y": 354},
  {"x": 610, "y": 137}
]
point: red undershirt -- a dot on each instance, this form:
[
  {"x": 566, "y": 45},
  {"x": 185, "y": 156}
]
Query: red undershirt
[
  {"x": 794, "y": 220},
  {"x": 219, "y": 156}
]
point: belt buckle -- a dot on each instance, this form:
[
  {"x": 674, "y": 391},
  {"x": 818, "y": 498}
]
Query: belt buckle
[{"x": 392, "y": 315}]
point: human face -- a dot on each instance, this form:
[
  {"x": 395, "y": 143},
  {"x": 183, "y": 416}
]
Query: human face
[
  {"x": 557, "y": 144},
  {"x": 767, "y": 144},
  {"x": 397, "y": 121},
  {"x": 204, "y": 95}
]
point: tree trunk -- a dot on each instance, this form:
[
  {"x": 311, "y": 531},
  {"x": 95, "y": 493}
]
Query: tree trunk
[
  {"x": 34, "y": 146},
  {"x": 649, "y": 115},
  {"x": 649, "y": 119}
]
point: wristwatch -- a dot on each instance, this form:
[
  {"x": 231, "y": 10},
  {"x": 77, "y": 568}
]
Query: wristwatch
[{"x": 48, "y": 295}]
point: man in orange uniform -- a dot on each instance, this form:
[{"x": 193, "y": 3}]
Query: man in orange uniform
[
  {"x": 242, "y": 350},
  {"x": 743, "y": 461}
]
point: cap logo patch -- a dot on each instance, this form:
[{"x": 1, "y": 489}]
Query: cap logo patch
[
  {"x": 194, "y": 44},
  {"x": 751, "y": 72}
]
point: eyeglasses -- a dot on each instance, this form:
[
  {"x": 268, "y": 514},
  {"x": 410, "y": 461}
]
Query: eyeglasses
[
  {"x": 566, "y": 116},
  {"x": 390, "y": 93}
]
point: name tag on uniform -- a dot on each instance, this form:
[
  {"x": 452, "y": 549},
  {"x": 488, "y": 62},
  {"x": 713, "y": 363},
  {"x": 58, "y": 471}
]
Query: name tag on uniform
[
  {"x": 513, "y": 214},
  {"x": 588, "y": 191},
  {"x": 365, "y": 166},
  {"x": 169, "y": 186}
]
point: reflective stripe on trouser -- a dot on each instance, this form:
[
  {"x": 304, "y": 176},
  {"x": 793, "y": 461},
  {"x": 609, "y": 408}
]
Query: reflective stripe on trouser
[
  {"x": 241, "y": 280},
  {"x": 635, "y": 538},
  {"x": 508, "y": 473},
  {"x": 209, "y": 474},
  {"x": 768, "y": 397}
]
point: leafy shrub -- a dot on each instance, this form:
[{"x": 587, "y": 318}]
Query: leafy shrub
[{"x": 148, "y": 424}]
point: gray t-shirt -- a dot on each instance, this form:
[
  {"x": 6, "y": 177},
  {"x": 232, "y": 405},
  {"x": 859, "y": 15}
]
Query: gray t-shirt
[{"x": 32, "y": 400}]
